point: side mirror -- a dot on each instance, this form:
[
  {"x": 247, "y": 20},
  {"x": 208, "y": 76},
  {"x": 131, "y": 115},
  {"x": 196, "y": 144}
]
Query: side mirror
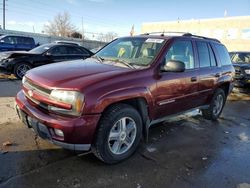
[
  {"x": 48, "y": 54},
  {"x": 1, "y": 41},
  {"x": 173, "y": 66}
]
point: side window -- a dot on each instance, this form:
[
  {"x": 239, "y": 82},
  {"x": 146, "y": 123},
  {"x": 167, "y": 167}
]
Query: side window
[
  {"x": 212, "y": 57},
  {"x": 59, "y": 50},
  {"x": 9, "y": 40},
  {"x": 74, "y": 51},
  {"x": 182, "y": 51},
  {"x": 223, "y": 54},
  {"x": 27, "y": 40},
  {"x": 203, "y": 53},
  {"x": 84, "y": 51}
]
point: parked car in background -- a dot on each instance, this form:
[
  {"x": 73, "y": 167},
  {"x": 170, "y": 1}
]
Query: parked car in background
[
  {"x": 16, "y": 43},
  {"x": 241, "y": 63},
  {"x": 18, "y": 62},
  {"x": 94, "y": 50},
  {"x": 106, "y": 103}
]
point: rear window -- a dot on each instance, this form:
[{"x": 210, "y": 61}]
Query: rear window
[{"x": 223, "y": 54}]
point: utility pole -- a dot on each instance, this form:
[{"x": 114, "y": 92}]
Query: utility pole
[
  {"x": 82, "y": 30},
  {"x": 3, "y": 14}
]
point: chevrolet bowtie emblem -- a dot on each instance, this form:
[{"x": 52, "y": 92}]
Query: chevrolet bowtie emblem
[{"x": 30, "y": 92}]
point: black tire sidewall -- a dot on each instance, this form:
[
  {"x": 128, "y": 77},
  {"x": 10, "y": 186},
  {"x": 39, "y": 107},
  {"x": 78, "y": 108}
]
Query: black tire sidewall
[
  {"x": 218, "y": 92},
  {"x": 17, "y": 65},
  {"x": 107, "y": 124}
]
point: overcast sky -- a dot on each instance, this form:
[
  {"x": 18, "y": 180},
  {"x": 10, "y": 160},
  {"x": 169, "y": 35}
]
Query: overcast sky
[{"x": 115, "y": 15}]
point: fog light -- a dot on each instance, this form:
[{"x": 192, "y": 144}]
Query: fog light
[{"x": 58, "y": 132}]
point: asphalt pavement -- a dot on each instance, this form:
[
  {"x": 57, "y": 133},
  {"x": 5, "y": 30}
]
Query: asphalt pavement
[{"x": 185, "y": 151}]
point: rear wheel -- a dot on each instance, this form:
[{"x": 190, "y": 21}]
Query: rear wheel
[
  {"x": 20, "y": 69},
  {"x": 216, "y": 105},
  {"x": 119, "y": 134}
]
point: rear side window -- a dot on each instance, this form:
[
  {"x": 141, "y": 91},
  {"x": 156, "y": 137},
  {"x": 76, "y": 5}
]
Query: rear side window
[
  {"x": 74, "y": 51},
  {"x": 182, "y": 51},
  {"x": 203, "y": 53},
  {"x": 212, "y": 57},
  {"x": 59, "y": 50},
  {"x": 85, "y": 52},
  {"x": 223, "y": 54}
]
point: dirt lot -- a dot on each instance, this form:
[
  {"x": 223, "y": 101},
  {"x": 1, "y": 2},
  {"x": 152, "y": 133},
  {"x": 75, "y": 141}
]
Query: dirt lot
[{"x": 186, "y": 151}]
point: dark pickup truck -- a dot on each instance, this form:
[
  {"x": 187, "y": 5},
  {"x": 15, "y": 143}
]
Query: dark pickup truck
[
  {"x": 241, "y": 63},
  {"x": 108, "y": 102}
]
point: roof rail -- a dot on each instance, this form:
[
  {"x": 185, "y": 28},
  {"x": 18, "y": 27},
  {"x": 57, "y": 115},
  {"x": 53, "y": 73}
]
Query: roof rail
[
  {"x": 185, "y": 34},
  {"x": 198, "y": 36},
  {"x": 162, "y": 33}
]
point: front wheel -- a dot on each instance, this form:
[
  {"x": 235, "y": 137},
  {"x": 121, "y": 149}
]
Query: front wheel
[
  {"x": 20, "y": 69},
  {"x": 216, "y": 105},
  {"x": 119, "y": 134}
]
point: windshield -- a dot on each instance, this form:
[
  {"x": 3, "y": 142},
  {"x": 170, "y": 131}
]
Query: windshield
[
  {"x": 240, "y": 58},
  {"x": 41, "y": 49},
  {"x": 131, "y": 51}
]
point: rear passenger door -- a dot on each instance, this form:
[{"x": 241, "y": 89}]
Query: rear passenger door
[
  {"x": 24, "y": 43},
  {"x": 209, "y": 71}
]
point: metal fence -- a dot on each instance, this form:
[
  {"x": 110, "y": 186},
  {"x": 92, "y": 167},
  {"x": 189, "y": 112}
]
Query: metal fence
[{"x": 43, "y": 38}]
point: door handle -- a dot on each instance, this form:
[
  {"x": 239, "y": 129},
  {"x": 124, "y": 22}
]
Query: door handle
[{"x": 193, "y": 79}]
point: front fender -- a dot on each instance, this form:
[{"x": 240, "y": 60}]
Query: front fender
[{"x": 120, "y": 95}]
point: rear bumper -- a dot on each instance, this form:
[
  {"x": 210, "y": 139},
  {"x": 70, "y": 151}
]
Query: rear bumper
[{"x": 78, "y": 132}]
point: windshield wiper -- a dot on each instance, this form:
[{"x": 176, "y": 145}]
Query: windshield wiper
[
  {"x": 100, "y": 59},
  {"x": 124, "y": 63}
]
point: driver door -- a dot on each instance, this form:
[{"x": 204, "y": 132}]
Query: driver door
[{"x": 178, "y": 91}]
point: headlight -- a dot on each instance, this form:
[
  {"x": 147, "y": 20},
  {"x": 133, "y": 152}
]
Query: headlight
[
  {"x": 247, "y": 71},
  {"x": 24, "y": 80},
  {"x": 74, "y": 98}
]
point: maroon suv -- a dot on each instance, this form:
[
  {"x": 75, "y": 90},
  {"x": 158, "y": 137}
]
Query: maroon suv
[{"x": 106, "y": 103}]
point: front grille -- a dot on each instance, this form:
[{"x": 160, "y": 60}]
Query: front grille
[
  {"x": 39, "y": 90},
  {"x": 237, "y": 71},
  {"x": 34, "y": 87}
]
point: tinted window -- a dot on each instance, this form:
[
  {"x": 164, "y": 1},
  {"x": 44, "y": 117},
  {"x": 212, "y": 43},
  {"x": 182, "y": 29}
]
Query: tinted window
[
  {"x": 24, "y": 40},
  {"x": 212, "y": 57},
  {"x": 84, "y": 51},
  {"x": 74, "y": 51},
  {"x": 182, "y": 51},
  {"x": 9, "y": 40},
  {"x": 223, "y": 54},
  {"x": 203, "y": 53},
  {"x": 59, "y": 50}
]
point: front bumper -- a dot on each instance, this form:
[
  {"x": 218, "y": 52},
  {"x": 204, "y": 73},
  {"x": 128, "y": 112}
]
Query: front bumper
[
  {"x": 78, "y": 131},
  {"x": 242, "y": 82}
]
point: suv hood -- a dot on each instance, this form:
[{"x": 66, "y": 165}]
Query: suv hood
[{"x": 74, "y": 75}]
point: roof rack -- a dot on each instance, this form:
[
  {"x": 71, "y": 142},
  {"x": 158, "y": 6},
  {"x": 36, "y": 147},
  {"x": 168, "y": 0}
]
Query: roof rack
[
  {"x": 185, "y": 34},
  {"x": 198, "y": 36},
  {"x": 162, "y": 33}
]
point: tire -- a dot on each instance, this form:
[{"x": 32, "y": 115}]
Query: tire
[
  {"x": 20, "y": 69},
  {"x": 113, "y": 142},
  {"x": 216, "y": 105}
]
